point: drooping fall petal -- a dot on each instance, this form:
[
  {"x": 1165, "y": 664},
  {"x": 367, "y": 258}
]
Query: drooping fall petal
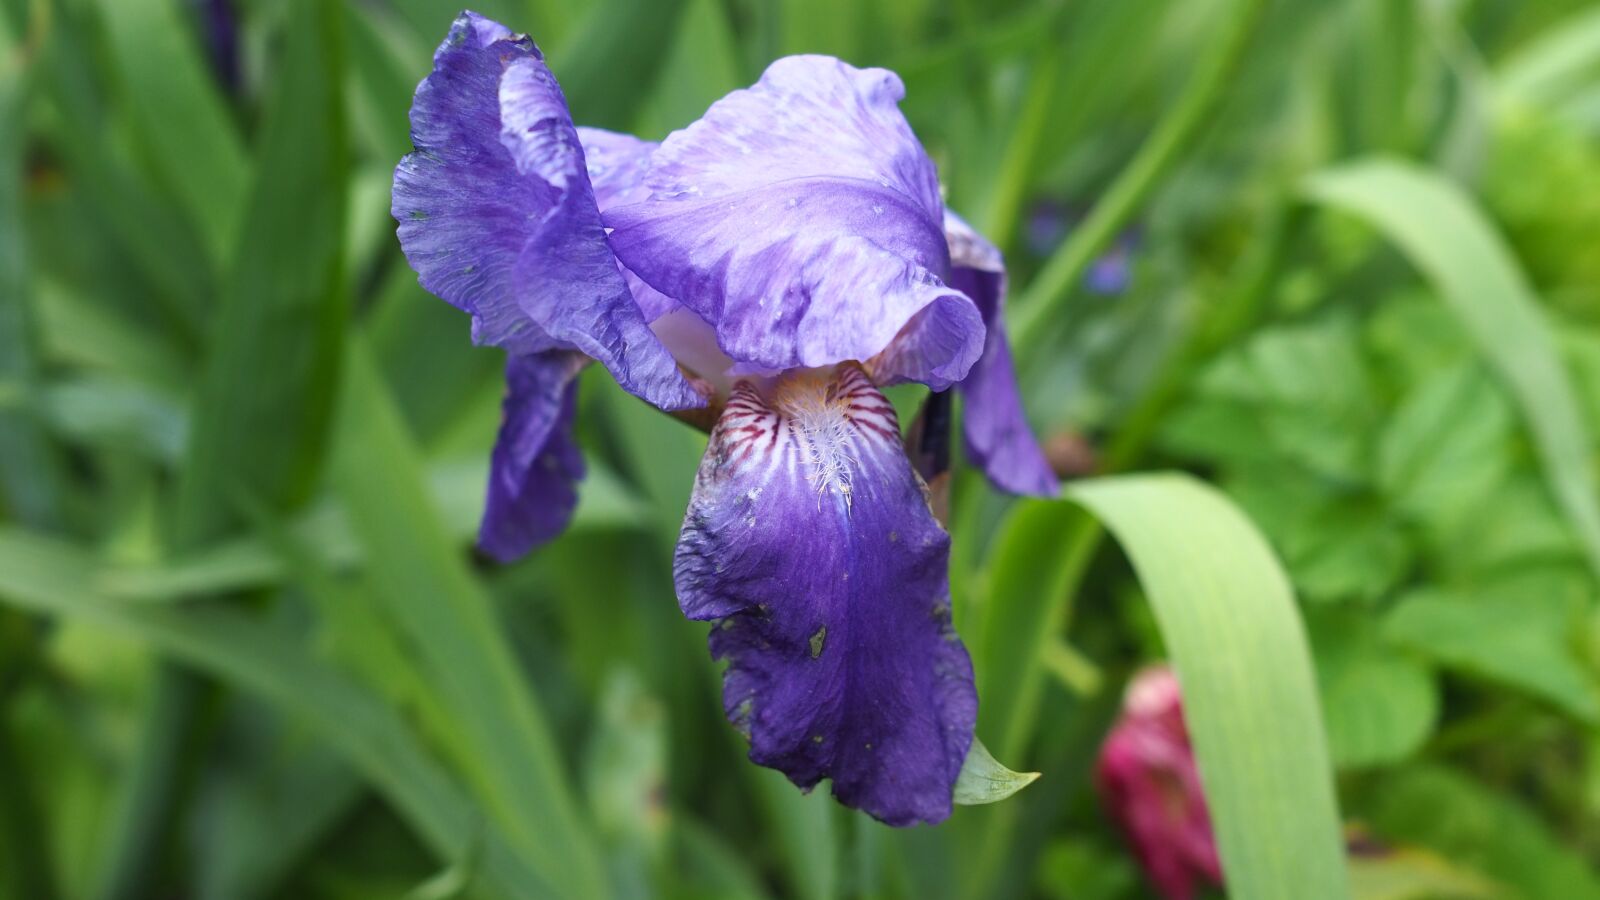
[
  {"x": 810, "y": 539},
  {"x": 536, "y": 466},
  {"x": 994, "y": 426}
]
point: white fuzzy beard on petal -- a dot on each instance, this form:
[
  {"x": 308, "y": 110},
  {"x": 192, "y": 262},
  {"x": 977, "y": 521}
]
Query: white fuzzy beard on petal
[
  {"x": 830, "y": 414},
  {"x": 814, "y": 424}
]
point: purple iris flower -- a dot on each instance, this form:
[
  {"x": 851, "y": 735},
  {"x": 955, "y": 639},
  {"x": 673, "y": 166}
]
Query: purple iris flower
[{"x": 776, "y": 263}]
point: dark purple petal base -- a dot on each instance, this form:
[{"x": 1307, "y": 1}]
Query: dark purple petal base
[{"x": 810, "y": 541}]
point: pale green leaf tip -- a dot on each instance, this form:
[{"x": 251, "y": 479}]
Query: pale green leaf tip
[{"x": 984, "y": 780}]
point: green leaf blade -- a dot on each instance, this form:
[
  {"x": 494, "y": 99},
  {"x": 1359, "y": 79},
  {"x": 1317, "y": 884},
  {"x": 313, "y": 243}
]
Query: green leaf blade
[
  {"x": 417, "y": 571},
  {"x": 264, "y": 406},
  {"x": 179, "y": 115},
  {"x": 1230, "y": 623}
]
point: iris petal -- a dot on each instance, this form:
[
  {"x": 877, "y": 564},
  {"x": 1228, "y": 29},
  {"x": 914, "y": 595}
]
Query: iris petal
[
  {"x": 537, "y": 465},
  {"x": 994, "y": 426},
  {"x": 810, "y": 539},
  {"x": 617, "y": 167},
  {"x": 617, "y": 164},
  {"x": 497, "y": 215},
  {"x": 801, "y": 218}
]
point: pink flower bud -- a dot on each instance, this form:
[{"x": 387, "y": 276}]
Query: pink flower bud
[{"x": 1148, "y": 781}]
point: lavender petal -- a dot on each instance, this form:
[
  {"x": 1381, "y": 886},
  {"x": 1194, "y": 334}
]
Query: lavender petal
[{"x": 497, "y": 215}]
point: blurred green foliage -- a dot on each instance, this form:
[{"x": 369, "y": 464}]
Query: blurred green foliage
[{"x": 245, "y": 651}]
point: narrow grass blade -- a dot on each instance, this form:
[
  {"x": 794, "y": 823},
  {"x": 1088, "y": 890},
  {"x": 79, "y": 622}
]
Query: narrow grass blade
[
  {"x": 43, "y": 576},
  {"x": 249, "y": 563},
  {"x": 264, "y": 404},
  {"x": 383, "y": 78},
  {"x": 179, "y": 115},
  {"x": 1179, "y": 128},
  {"x": 1555, "y": 64},
  {"x": 1228, "y": 616},
  {"x": 157, "y": 230},
  {"x": 262, "y": 407},
  {"x": 418, "y": 572},
  {"x": 1445, "y": 235},
  {"x": 30, "y": 471}
]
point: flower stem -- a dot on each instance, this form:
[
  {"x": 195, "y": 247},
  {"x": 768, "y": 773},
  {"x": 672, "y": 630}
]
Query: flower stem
[{"x": 1176, "y": 132}]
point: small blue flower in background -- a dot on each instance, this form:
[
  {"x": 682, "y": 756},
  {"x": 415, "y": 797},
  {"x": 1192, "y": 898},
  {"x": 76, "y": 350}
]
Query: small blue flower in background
[
  {"x": 1049, "y": 222},
  {"x": 778, "y": 262},
  {"x": 1111, "y": 272},
  {"x": 1047, "y": 225}
]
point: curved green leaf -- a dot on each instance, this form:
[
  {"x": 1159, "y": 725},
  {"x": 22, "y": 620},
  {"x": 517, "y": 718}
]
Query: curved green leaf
[
  {"x": 508, "y": 751},
  {"x": 1231, "y": 626},
  {"x": 984, "y": 780},
  {"x": 1445, "y": 235}
]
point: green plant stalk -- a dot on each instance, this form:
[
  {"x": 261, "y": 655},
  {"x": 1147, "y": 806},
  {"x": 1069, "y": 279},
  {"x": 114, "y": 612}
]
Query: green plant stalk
[
  {"x": 1176, "y": 133},
  {"x": 1013, "y": 681}
]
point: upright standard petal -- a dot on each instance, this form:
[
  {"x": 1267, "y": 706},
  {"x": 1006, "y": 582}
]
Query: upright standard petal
[
  {"x": 617, "y": 167},
  {"x": 497, "y": 215},
  {"x": 994, "y": 426},
  {"x": 536, "y": 467},
  {"x": 801, "y": 218},
  {"x": 810, "y": 539}
]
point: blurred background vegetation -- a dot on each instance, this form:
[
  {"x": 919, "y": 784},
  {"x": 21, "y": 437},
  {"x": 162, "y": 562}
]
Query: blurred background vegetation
[{"x": 246, "y": 652}]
